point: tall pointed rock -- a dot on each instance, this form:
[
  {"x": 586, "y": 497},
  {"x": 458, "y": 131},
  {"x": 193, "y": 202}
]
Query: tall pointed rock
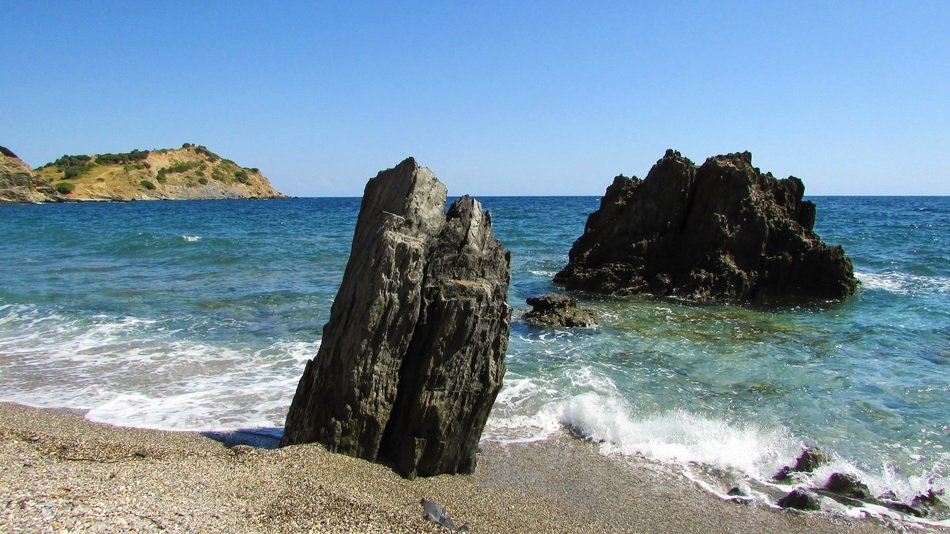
[{"x": 413, "y": 355}]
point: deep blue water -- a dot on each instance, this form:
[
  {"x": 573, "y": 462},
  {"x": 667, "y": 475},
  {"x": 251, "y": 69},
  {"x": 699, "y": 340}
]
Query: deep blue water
[{"x": 200, "y": 316}]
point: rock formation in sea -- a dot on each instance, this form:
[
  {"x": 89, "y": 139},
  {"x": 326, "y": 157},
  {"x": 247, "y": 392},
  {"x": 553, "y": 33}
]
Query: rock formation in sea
[
  {"x": 18, "y": 182},
  {"x": 558, "y": 311},
  {"x": 720, "y": 231},
  {"x": 191, "y": 172},
  {"x": 412, "y": 357}
]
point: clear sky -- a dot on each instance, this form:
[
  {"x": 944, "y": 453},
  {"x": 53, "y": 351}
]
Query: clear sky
[{"x": 506, "y": 98}]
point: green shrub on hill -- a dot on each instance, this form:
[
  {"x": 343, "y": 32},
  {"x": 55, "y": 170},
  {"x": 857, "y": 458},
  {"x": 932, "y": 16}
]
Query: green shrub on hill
[
  {"x": 206, "y": 153},
  {"x": 122, "y": 158},
  {"x": 73, "y": 172},
  {"x": 72, "y": 166},
  {"x": 147, "y": 185},
  {"x": 179, "y": 168},
  {"x": 71, "y": 161},
  {"x": 241, "y": 176},
  {"x": 184, "y": 166},
  {"x": 136, "y": 166},
  {"x": 65, "y": 188}
]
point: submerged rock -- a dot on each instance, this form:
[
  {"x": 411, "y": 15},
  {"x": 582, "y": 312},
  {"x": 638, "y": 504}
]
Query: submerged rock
[
  {"x": 555, "y": 310},
  {"x": 412, "y": 357},
  {"x": 891, "y": 502},
  {"x": 930, "y": 504},
  {"x": 721, "y": 231}
]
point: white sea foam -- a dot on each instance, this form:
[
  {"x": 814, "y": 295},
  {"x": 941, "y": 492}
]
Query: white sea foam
[
  {"x": 139, "y": 372},
  {"x": 191, "y": 238},
  {"x": 546, "y": 274},
  {"x": 679, "y": 437},
  {"x": 714, "y": 452},
  {"x": 904, "y": 283},
  {"x": 135, "y": 372},
  {"x": 592, "y": 408}
]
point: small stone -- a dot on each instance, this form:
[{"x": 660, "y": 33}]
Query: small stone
[
  {"x": 849, "y": 486},
  {"x": 800, "y": 499},
  {"x": 739, "y": 491},
  {"x": 810, "y": 459},
  {"x": 240, "y": 450}
]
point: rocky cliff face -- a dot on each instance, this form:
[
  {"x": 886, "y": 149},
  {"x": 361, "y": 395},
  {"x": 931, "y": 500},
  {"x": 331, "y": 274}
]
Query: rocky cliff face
[
  {"x": 412, "y": 357},
  {"x": 188, "y": 173},
  {"x": 722, "y": 231},
  {"x": 17, "y": 181}
]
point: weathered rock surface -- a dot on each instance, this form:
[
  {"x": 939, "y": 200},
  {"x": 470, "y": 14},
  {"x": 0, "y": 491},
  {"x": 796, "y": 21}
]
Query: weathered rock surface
[
  {"x": 720, "y": 231},
  {"x": 412, "y": 357},
  {"x": 18, "y": 182},
  {"x": 555, "y": 310}
]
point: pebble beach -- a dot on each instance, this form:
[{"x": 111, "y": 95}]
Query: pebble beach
[{"x": 61, "y": 473}]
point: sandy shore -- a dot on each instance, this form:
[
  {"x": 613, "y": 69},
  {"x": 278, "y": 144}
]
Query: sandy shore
[{"x": 59, "y": 472}]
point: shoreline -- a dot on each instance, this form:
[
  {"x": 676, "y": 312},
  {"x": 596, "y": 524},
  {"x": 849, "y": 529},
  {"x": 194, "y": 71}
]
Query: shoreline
[{"x": 61, "y": 471}]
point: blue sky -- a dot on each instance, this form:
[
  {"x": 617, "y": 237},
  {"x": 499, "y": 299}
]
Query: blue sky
[{"x": 525, "y": 98}]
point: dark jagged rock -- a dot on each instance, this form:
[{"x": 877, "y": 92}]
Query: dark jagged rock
[
  {"x": 904, "y": 508},
  {"x": 554, "y": 310},
  {"x": 849, "y": 486},
  {"x": 810, "y": 459},
  {"x": 800, "y": 499},
  {"x": 722, "y": 231},
  {"x": 412, "y": 357}
]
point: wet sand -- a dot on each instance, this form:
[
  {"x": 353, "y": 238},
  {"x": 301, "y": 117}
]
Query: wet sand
[{"x": 60, "y": 471}]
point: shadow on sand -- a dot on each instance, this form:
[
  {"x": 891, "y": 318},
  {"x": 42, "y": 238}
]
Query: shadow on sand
[{"x": 261, "y": 438}]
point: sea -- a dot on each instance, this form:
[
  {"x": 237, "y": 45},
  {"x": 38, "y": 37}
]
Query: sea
[{"x": 200, "y": 316}]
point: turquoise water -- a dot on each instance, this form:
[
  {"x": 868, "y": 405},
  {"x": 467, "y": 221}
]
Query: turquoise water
[{"x": 201, "y": 315}]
